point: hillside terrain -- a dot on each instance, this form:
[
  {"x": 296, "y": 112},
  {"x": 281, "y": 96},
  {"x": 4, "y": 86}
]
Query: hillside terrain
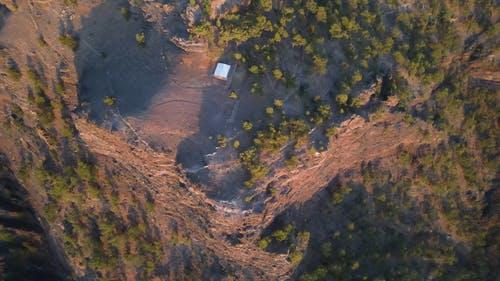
[{"x": 353, "y": 140}]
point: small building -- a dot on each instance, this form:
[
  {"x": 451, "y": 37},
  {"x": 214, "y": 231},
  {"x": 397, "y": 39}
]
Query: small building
[{"x": 222, "y": 71}]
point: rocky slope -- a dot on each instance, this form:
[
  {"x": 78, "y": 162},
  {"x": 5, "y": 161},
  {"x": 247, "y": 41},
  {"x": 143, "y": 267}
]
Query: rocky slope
[{"x": 95, "y": 120}]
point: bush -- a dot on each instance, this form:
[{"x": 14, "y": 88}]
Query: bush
[
  {"x": 246, "y": 125},
  {"x": 332, "y": 131},
  {"x": 109, "y": 101},
  {"x": 264, "y": 242},
  {"x": 236, "y": 144},
  {"x": 125, "y": 13},
  {"x": 292, "y": 162},
  {"x": 269, "y": 111},
  {"x": 14, "y": 73},
  {"x": 233, "y": 95},
  {"x": 342, "y": 99},
  {"x": 69, "y": 41},
  {"x": 320, "y": 64},
  {"x": 222, "y": 141},
  {"x": 278, "y": 75},
  {"x": 140, "y": 39},
  {"x": 278, "y": 103},
  {"x": 295, "y": 257},
  {"x": 41, "y": 42}
]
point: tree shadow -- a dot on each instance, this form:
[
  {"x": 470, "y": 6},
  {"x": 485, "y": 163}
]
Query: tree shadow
[
  {"x": 384, "y": 234},
  {"x": 26, "y": 251},
  {"x": 110, "y": 62}
]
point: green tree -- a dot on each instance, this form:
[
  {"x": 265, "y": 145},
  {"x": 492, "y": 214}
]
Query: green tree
[
  {"x": 342, "y": 99},
  {"x": 69, "y": 41},
  {"x": 246, "y": 125},
  {"x": 320, "y": 64},
  {"x": 109, "y": 101},
  {"x": 278, "y": 75},
  {"x": 266, "y": 5},
  {"x": 321, "y": 15},
  {"x": 140, "y": 39}
]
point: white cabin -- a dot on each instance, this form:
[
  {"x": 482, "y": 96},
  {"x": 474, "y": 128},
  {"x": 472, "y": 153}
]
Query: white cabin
[{"x": 222, "y": 71}]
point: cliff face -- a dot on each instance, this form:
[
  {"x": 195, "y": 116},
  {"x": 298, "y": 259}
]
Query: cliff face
[
  {"x": 110, "y": 205},
  {"x": 111, "y": 171}
]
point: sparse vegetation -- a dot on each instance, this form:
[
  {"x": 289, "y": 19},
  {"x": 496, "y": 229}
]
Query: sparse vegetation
[
  {"x": 422, "y": 207},
  {"x": 109, "y": 101},
  {"x": 41, "y": 42},
  {"x": 140, "y": 39},
  {"x": 69, "y": 41},
  {"x": 233, "y": 95},
  {"x": 125, "y": 13},
  {"x": 14, "y": 73}
]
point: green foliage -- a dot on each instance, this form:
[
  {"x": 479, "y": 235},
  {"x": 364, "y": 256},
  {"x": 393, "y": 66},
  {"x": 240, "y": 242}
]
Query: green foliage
[
  {"x": 321, "y": 15},
  {"x": 292, "y": 162},
  {"x": 339, "y": 194},
  {"x": 295, "y": 257},
  {"x": 109, "y": 101},
  {"x": 236, "y": 144},
  {"x": 41, "y": 42},
  {"x": 125, "y": 13},
  {"x": 246, "y": 125},
  {"x": 204, "y": 29},
  {"x": 233, "y": 95},
  {"x": 60, "y": 89},
  {"x": 278, "y": 75},
  {"x": 13, "y": 73},
  {"x": 85, "y": 171},
  {"x": 50, "y": 212},
  {"x": 222, "y": 141},
  {"x": 342, "y": 99},
  {"x": 264, "y": 242},
  {"x": 140, "y": 39},
  {"x": 69, "y": 41},
  {"x": 331, "y": 131},
  {"x": 73, "y": 3},
  {"x": 320, "y": 64},
  {"x": 270, "y": 111},
  {"x": 249, "y": 160},
  {"x": 266, "y": 5}
]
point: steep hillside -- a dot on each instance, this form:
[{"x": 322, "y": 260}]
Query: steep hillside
[{"x": 354, "y": 140}]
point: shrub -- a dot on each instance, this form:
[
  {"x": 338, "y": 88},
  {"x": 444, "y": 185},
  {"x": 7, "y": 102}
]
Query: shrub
[
  {"x": 246, "y": 125},
  {"x": 41, "y": 42},
  {"x": 269, "y": 111},
  {"x": 320, "y": 64},
  {"x": 109, "y": 101},
  {"x": 321, "y": 15},
  {"x": 342, "y": 99},
  {"x": 278, "y": 75},
  {"x": 331, "y": 131},
  {"x": 264, "y": 242},
  {"x": 222, "y": 141},
  {"x": 233, "y": 95},
  {"x": 266, "y": 5},
  {"x": 14, "y": 73},
  {"x": 292, "y": 162},
  {"x": 236, "y": 144},
  {"x": 125, "y": 13},
  {"x": 140, "y": 39},
  {"x": 69, "y": 41},
  {"x": 295, "y": 257},
  {"x": 60, "y": 89},
  {"x": 278, "y": 103}
]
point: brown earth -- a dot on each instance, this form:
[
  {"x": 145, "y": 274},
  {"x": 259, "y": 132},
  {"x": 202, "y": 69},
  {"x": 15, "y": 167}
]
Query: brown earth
[{"x": 177, "y": 112}]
